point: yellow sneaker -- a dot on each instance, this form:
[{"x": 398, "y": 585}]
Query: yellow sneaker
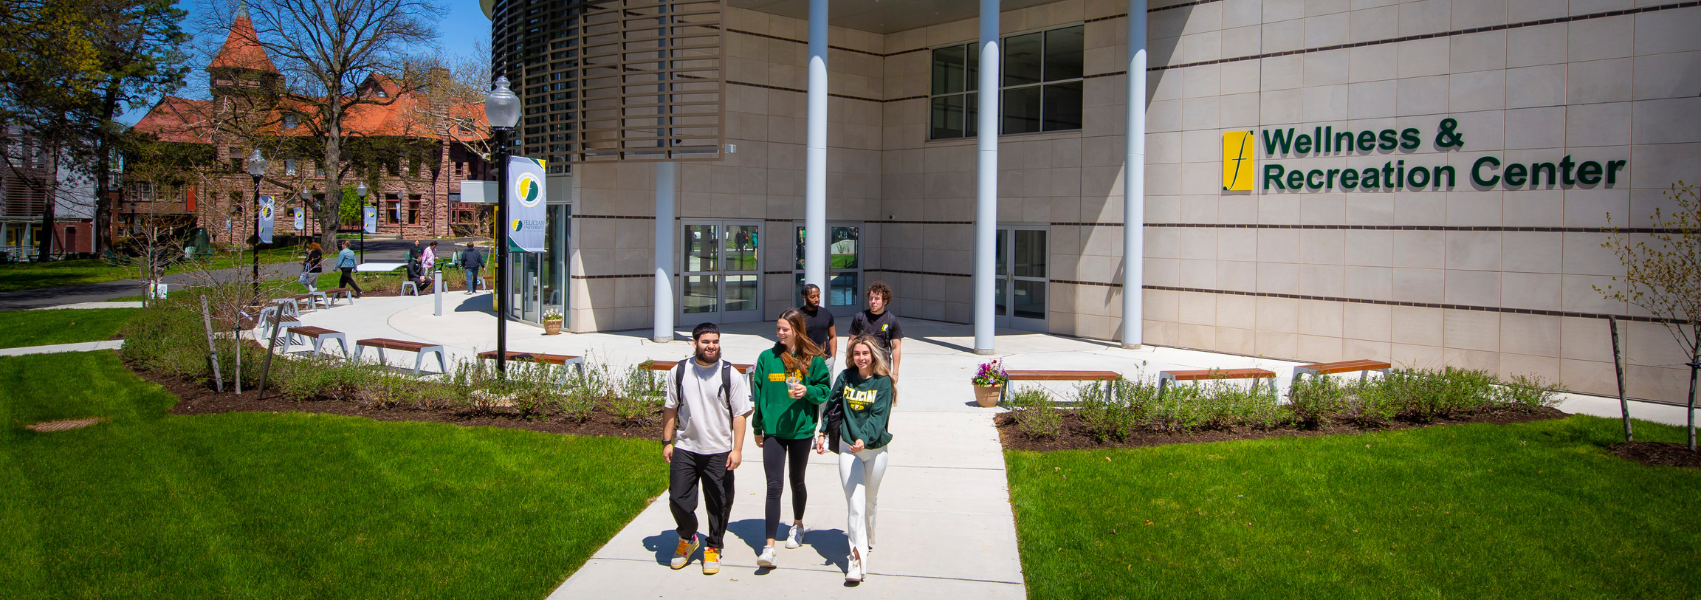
[
  {"x": 682, "y": 554},
  {"x": 711, "y": 561}
]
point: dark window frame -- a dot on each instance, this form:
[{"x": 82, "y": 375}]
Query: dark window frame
[{"x": 949, "y": 102}]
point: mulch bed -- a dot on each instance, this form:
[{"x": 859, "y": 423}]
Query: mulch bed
[
  {"x": 1658, "y": 453},
  {"x": 198, "y": 399},
  {"x": 1075, "y": 436}
]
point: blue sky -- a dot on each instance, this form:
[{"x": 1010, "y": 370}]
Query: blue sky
[{"x": 457, "y": 32}]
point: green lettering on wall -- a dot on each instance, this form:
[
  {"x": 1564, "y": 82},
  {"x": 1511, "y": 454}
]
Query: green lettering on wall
[
  {"x": 1296, "y": 179},
  {"x": 1371, "y": 179},
  {"x": 1349, "y": 179},
  {"x": 1612, "y": 170},
  {"x": 1589, "y": 173},
  {"x": 1476, "y": 171},
  {"x": 1279, "y": 140},
  {"x": 1516, "y": 174},
  {"x": 1409, "y": 138},
  {"x": 1389, "y": 142},
  {"x": 1302, "y": 144},
  {"x": 1536, "y": 173},
  {"x": 1313, "y": 179},
  {"x": 1273, "y": 174},
  {"x": 1366, "y": 141},
  {"x": 1438, "y": 171}
]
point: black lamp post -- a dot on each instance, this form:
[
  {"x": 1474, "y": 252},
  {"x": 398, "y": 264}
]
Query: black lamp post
[
  {"x": 257, "y": 170},
  {"x": 502, "y": 109},
  {"x": 360, "y": 190},
  {"x": 307, "y": 200}
]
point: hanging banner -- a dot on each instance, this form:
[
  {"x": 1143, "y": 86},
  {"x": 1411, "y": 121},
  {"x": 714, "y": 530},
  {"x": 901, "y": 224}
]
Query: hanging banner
[
  {"x": 300, "y": 219},
  {"x": 265, "y": 220},
  {"x": 371, "y": 219},
  {"x": 525, "y": 203}
]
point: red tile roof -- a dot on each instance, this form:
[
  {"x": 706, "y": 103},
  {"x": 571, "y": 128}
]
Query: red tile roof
[{"x": 242, "y": 49}]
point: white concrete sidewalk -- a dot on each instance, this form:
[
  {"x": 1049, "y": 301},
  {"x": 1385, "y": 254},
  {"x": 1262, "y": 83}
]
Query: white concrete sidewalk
[
  {"x": 945, "y": 526},
  {"x": 58, "y": 348},
  {"x": 86, "y": 305}
]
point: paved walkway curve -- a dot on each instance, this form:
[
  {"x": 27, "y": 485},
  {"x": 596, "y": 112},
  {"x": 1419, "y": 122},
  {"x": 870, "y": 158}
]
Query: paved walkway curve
[{"x": 58, "y": 348}]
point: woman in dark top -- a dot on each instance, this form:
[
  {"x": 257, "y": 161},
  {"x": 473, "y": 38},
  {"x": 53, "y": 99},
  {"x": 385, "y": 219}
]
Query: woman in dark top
[
  {"x": 311, "y": 268},
  {"x": 860, "y": 406}
]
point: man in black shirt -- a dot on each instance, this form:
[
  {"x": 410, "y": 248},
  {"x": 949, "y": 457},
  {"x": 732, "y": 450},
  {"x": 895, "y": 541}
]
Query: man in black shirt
[
  {"x": 818, "y": 324},
  {"x": 880, "y": 323}
]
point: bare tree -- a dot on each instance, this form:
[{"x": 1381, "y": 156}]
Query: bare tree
[
  {"x": 1663, "y": 276},
  {"x": 325, "y": 49}
]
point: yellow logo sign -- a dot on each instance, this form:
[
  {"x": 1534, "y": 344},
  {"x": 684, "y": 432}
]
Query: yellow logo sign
[
  {"x": 776, "y": 377},
  {"x": 1237, "y": 161}
]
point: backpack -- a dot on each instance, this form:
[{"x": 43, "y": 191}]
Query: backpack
[{"x": 726, "y": 385}]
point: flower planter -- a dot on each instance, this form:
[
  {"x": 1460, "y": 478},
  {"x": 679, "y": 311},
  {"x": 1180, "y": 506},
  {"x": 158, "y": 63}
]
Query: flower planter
[
  {"x": 987, "y": 395},
  {"x": 552, "y": 327}
]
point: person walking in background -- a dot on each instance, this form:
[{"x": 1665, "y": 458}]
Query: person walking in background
[
  {"x": 790, "y": 382},
  {"x": 346, "y": 263},
  {"x": 703, "y": 442},
  {"x": 312, "y": 267},
  {"x": 818, "y": 321},
  {"x": 859, "y": 409},
  {"x": 471, "y": 261},
  {"x": 414, "y": 252},
  {"x": 879, "y": 323},
  {"x": 429, "y": 258}
]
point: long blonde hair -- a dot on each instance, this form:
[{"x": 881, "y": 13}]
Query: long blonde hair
[
  {"x": 802, "y": 350},
  {"x": 879, "y": 364}
]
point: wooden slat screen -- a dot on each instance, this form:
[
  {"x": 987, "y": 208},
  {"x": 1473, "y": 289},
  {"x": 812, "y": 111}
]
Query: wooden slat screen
[{"x": 615, "y": 80}]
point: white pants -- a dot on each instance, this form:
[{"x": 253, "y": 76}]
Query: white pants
[{"x": 860, "y": 473}]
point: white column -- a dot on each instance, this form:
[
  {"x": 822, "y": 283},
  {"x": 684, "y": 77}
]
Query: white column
[
  {"x": 664, "y": 252},
  {"x": 986, "y": 190},
  {"x": 1134, "y": 180},
  {"x": 815, "y": 160}
]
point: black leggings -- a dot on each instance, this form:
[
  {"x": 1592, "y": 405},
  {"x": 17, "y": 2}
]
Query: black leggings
[
  {"x": 775, "y": 452},
  {"x": 347, "y": 280}
]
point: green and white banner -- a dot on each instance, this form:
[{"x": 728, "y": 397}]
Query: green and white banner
[
  {"x": 371, "y": 225},
  {"x": 526, "y": 203},
  {"x": 300, "y": 219},
  {"x": 265, "y": 214}
]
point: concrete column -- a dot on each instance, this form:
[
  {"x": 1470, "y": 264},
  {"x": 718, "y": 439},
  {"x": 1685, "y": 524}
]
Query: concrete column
[
  {"x": 664, "y": 252},
  {"x": 986, "y": 190},
  {"x": 815, "y": 160},
  {"x": 1134, "y": 180}
]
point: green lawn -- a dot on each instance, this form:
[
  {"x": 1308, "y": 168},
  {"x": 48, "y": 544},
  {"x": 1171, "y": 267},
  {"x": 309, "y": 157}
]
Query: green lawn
[
  {"x": 261, "y": 505},
  {"x": 66, "y": 326},
  {"x": 1532, "y": 510},
  {"x": 29, "y": 276}
]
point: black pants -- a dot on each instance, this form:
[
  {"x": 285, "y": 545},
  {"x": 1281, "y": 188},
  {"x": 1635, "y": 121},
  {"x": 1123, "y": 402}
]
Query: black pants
[
  {"x": 777, "y": 455},
  {"x": 684, "y": 472},
  {"x": 347, "y": 281}
]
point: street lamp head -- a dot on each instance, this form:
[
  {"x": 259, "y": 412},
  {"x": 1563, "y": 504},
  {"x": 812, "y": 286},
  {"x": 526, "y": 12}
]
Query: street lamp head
[
  {"x": 306, "y": 195},
  {"x": 360, "y": 190},
  {"x": 502, "y": 107},
  {"x": 256, "y": 164}
]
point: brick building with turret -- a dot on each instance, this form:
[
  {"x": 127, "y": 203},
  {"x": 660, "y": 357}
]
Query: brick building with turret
[{"x": 409, "y": 148}]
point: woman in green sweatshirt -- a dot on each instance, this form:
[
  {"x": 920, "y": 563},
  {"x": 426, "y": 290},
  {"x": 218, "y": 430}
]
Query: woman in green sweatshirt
[
  {"x": 858, "y": 410},
  {"x": 790, "y": 383}
]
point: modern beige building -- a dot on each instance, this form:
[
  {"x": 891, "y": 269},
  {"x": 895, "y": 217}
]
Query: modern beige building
[{"x": 1426, "y": 182}]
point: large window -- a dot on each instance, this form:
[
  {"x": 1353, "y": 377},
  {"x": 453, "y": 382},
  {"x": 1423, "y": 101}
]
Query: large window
[{"x": 1041, "y": 85}]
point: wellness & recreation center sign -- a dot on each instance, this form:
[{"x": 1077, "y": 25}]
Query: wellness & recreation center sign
[{"x": 1241, "y": 171}]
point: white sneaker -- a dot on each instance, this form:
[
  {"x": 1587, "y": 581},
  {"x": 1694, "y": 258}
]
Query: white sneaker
[
  {"x": 766, "y": 559},
  {"x": 853, "y": 574},
  {"x": 796, "y": 538}
]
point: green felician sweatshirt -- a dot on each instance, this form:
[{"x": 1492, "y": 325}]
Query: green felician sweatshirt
[
  {"x": 868, "y": 407},
  {"x": 777, "y": 413}
]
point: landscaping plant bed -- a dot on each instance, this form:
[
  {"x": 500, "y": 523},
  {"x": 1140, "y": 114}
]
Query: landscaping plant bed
[
  {"x": 198, "y": 399},
  {"x": 1658, "y": 453},
  {"x": 1076, "y": 435}
]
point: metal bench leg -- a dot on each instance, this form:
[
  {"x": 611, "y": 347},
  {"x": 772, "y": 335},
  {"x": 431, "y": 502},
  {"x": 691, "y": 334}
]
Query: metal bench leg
[
  {"x": 418, "y": 359},
  {"x": 1163, "y": 384},
  {"x": 318, "y": 345},
  {"x": 381, "y": 359},
  {"x": 357, "y": 351},
  {"x": 442, "y": 365},
  {"x": 344, "y": 343}
]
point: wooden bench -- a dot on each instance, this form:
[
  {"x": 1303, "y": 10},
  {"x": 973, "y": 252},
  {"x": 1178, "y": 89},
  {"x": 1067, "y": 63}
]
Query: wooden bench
[
  {"x": 1165, "y": 378},
  {"x": 420, "y": 349},
  {"x": 1362, "y": 367},
  {"x": 332, "y": 294},
  {"x": 1038, "y": 375},
  {"x": 311, "y": 298},
  {"x": 318, "y": 334},
  {"x": 564, "y": 360},
  {"x": 280, "y": 314}
]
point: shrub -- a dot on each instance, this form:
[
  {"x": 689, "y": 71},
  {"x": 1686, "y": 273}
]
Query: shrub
[
  {"x": 1035, "y": 415},
  {"x": 1313, "y": 401},
  {"x": 1527, "y": 392},
  {"x": 585, "y": 392},
  {"x": 637, "y": 398}
]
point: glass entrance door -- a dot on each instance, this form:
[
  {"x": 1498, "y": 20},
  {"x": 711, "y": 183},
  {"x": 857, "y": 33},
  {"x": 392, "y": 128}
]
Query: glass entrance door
[
  {"x": 843, "y": 295},
  {"x": 720, "y": 274},
  {"x": 1022, "y": 278}
]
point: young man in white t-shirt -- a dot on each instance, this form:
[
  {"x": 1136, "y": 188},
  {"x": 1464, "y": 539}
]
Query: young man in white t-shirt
[{"x": 709, "y": 401}]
